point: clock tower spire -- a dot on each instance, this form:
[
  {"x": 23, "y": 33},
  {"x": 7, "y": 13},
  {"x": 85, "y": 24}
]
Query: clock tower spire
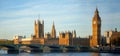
[{"x": 96, "y": 29}]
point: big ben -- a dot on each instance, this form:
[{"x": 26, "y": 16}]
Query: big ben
[{"x": 96, "y": 30}]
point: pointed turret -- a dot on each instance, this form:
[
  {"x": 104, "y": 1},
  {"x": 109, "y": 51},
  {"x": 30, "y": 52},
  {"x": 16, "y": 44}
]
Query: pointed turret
[
  {"x": 53, "y": 31},
  {"x": 96, "y": 15},
  {"x": 74, "y": 34},
  {"x": 96, "y": 11},
  {"x": 39, "y": 21}
]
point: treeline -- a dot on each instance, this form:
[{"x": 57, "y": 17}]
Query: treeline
[{"x": 6, "y": 42}]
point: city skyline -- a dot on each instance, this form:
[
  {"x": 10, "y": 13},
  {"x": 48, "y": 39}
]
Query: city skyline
[{"x": 17, "y": 18}]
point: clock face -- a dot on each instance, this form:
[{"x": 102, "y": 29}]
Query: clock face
[{"x": 94, "y": 22}]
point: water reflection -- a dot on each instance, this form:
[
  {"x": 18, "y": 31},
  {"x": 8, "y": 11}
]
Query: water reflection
[
  {"x": 95, "y": 54},
  {"x": 24, "y": 54},
  {"x": 2, "y": 51},
  {"x": 62, "y": 54}
]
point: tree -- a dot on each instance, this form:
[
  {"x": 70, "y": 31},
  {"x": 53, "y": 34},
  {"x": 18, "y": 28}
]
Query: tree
[{"x": 6, "y": 41}]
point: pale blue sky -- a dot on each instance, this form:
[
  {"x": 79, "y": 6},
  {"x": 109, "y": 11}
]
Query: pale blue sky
[{"x": 17, "y": 16}]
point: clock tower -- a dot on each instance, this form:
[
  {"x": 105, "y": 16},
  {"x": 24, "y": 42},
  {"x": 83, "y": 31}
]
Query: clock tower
[{"x": 95, "y": 40}]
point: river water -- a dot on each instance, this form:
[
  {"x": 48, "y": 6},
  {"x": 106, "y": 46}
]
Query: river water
[{"x": 62, "y": 54}]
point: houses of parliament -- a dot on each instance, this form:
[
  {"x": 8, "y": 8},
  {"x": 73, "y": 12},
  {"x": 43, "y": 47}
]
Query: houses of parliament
[{"x": 64, "y": 38}]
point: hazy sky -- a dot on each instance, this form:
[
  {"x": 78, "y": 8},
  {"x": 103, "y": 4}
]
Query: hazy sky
[{"x": 17, "y": 16}]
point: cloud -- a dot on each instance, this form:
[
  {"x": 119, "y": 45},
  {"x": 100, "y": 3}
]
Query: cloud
[{"x": 32, "y": 9}]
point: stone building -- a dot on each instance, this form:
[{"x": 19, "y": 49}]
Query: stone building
[
  {"x": 37, "y": 38},
  {"x": 111, "y": 35},
  {"x": 74, "y": 34},
  {"x": 64, "y": 38},
  {"x": 96, "y": 30},
  {"x": 52, "y": 41},
  {"x": 17, "y": 39},
  {"x": 81, "y": 41},
  {"x": 39, "y": 29}
]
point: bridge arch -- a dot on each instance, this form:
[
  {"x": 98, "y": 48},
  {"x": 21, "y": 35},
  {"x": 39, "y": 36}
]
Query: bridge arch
[
  {"x": 9, "y": 46},
  {"x": 32, "y": 47},
  {"x": 52, "y": 48}
]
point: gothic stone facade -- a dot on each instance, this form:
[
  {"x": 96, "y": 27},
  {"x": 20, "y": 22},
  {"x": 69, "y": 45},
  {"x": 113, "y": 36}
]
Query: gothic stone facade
[
  {"x": 65, "y": 38},
  {"x": 96, "y": 30}
]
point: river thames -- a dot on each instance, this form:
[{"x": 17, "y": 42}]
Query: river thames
[{"x": 63, "y": 54}]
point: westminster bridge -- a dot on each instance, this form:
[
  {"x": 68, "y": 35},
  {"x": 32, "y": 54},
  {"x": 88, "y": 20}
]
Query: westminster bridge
[{"x": 15, "y": 48}]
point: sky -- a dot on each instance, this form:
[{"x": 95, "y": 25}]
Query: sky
[{"x": 17, "y": 16}]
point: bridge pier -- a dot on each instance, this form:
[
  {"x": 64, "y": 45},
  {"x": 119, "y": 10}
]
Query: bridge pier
[
  {"x": 55, "y": 50},
  {"x": 84, "y": 49},
  {"x": 36, "y": 50},
  {"x": 70, "y": 49},
  {"x": 12, "y": 51}
]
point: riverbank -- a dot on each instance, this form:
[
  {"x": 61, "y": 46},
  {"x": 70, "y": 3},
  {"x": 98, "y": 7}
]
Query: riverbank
[{"x": 66, "y": 50}]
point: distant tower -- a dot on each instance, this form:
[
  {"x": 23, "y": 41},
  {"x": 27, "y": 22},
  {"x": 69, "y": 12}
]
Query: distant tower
[
  {"x": 115, "y": 29},
  {"x": 53, "y": 31},
  {"x": 39, "y": 29},
  {"x": 74, "y": 34},
  {"x": 42, "y": 28},
  {"x": 96, "y": 30}
]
